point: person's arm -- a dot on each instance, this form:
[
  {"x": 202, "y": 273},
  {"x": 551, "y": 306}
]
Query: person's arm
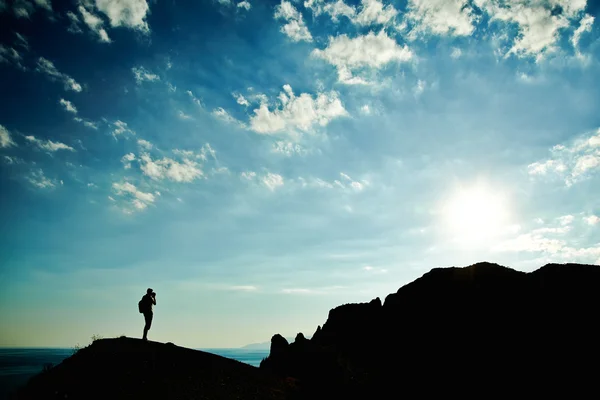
[{"x": 154, "y": 299}]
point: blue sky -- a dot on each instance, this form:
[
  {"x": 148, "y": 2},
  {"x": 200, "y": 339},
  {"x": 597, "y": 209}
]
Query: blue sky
[{"x": 258, "y": 163}]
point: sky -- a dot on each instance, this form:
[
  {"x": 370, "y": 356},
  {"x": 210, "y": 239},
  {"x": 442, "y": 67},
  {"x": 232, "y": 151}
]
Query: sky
[{"x": 258, "y": 163}]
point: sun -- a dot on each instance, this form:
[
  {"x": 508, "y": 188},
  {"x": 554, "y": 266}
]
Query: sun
[{"x": 476, "y": 214}]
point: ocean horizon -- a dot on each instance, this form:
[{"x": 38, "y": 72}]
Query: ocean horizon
[{"x": 19, "y": 364}]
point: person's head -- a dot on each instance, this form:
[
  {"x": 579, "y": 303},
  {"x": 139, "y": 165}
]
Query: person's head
[{"x": 149, "y": 291}]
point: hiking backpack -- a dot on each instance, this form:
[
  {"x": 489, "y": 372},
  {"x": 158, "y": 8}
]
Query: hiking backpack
[{"x": 141, "y": 306}]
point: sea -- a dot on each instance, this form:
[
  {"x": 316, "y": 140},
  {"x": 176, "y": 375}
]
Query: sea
[{"x": 17, "y": 365}]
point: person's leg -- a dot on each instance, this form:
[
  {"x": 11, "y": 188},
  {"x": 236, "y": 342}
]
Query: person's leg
[{"x": 148, "y": 318}]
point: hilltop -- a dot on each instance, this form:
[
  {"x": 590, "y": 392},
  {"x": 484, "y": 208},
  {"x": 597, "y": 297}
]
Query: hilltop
[{"x": 126, "y": 368}]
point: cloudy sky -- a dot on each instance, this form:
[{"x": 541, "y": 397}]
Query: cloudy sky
[{"x": 260, "y": 162}]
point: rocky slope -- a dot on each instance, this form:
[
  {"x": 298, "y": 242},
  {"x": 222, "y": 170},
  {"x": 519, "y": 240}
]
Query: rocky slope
[{"x": 479, "y": 330}]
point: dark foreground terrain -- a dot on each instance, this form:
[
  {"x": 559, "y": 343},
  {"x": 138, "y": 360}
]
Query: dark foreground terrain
[
  {"x": 128, "y": 368},
  {"x": 483, "y": 331}
]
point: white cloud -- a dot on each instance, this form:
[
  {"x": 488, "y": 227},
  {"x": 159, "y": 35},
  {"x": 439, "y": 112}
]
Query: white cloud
[
  {"x": 205, "y": 151},
  {"x": 5, "y": 139},
  {"x": 272, "y": 181},
  {"x": 49, "y": 145},
  {"x": 566, "y": 220},
  {"x": 374, "y": 12},
  {"x": 288, "y": 148},
  {"x": 127, "y": 159},
  {"x": 585, "y": 25},
  {"x": 553, "y": 241},
  {"x": 38, "y": 179},
  {"x": 297, "y": 112},
  {"x": 68, "y": 106},
  {"x": 295, "y": 27},
  {"x": 140, "y": 200},
  {"x": 194, "y": 98},
  {"x": 127, "y": 13},
  {"x": 167, "y": 168},
  {"x": 45, "y": 4},
  {"x": 10, "y": 56},
  {"x": 297, "y": 291},
  {"x": 144, "y": 144},
  {"x": 339, "y": 9},
  {"x": 183, "y": 115},
  {"x": 244, "y": 4},
  {"x": 572, "y": 162},
  {"x": 374, "y": 270},
  {"x": 440, "y": 17},
  {"x": 365, "y": 109},
  {"x": 223, "y": 115},
  {"x": 241, "y": 100},
  {"x": 22, "y": 41},
  {"x": 243, "y": 288},
  {"x": 121, "y": 128},
  {"x": 89, "y": 124},
  {"x": 141, "y": 74},
  {"x": 591, "y": 220},
  {"x": 73, "y": 22},
  {"x": 248, "y": 175},
  {"x": 539, "y": 22},
  {"x": 47, "y": 67},
  {"x": 370, "y": 12},
  {"x": 358, "y": 186},
  {"x": 95, "y": 24},
  {"x": 371, "y": 50},
  {"x": 24, "y": 8},
  {"x": 456, "y": 53},
  {"x": 419, "y": 87}
]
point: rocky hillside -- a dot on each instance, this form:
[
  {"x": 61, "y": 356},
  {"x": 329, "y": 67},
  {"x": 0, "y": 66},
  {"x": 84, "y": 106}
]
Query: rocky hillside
[{"x": 478, "y": 330}]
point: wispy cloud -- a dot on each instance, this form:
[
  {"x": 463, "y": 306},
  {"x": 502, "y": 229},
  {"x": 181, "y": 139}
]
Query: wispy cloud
[
  {"x": 39, "y": 180},
  {"x": 573, "y": 162},
  {"x": 141, "y": 74},
  {"x": 5, "y": 138},
  {"x": 49, "y": 145},
  {"x": 135, "y": 197},
  {"x": 93, "y": 22},
  {"x": 68, "y": 106},
  {"x": 47, "y": 67}
]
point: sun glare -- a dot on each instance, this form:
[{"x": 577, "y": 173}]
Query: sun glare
[{"x": 476, "y": 214}]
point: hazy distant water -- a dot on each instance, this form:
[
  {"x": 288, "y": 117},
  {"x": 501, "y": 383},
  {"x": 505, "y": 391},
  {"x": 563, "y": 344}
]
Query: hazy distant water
[{"x": 18, "y": 365}]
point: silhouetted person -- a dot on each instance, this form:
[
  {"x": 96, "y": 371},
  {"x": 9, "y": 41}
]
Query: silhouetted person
[{"x": 148, "y": 303}]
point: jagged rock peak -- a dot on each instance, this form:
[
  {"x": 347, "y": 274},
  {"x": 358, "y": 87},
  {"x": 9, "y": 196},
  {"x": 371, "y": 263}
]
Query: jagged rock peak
[
  {"x": 279, "y": 344},
  {"x": 299, "y": 338}
]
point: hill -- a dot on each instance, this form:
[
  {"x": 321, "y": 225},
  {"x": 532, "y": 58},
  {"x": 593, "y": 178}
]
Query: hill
[
  {"x": 128, "y": 368},
  {"x": 475, "y": 331}
]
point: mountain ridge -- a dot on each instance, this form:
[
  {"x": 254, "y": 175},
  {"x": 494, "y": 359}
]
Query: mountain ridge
[{"x": 472, "y": 319}]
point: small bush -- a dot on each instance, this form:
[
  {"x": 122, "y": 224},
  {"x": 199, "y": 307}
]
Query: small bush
[{"x": 96, "y": 337}]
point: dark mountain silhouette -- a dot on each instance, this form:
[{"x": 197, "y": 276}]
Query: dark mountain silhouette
[
  {"x": 127, "y": 368},
  {"x": 483, "y": 330},
  {"x": 262, "y": 345},
  {"x": 480, "y": 331}
]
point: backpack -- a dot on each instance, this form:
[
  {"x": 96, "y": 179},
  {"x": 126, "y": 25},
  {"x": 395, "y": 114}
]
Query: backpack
[{"x": 141, "y": 306}]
